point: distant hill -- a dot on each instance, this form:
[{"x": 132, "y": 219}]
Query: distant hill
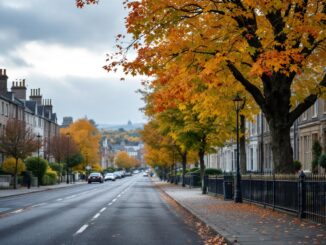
[{"x": 129, "y": 126}]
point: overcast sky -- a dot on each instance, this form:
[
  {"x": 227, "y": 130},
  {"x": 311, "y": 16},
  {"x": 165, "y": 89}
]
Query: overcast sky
[{"x": 61, "y": 49}]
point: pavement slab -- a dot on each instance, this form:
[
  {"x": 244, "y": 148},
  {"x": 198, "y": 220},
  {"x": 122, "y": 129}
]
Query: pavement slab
[{"x": 244, "y": 223}]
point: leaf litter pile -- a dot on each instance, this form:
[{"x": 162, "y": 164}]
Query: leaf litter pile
[{"x": 207, "y": 234}]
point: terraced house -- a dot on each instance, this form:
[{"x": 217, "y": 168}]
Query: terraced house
[
  {"x": 309, "y": 127},
  {"x": 35, "y": 111}
]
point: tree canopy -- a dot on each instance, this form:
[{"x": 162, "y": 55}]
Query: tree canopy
[
  {"x": 272, "y": 52},
  {"x": 87, "y": 138}
]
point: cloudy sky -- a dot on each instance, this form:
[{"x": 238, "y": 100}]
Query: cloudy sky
[{"x": 61, "y": 49}]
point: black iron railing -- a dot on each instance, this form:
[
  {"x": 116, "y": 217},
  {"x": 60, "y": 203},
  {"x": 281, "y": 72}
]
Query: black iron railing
[{"x": 304, "y": 195}]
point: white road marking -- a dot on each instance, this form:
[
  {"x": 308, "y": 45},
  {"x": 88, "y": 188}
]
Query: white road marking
[
  {"x": 17, "y": 211},
  {"x": 110, "y": 204},
  {"x": 102, "y": 210},
  {"x": 114, "y": 200},
  {"x": 96, "y": 216},
  {"x": 119, "y": 195},
  {"x": 81, "y": 229},
  {"x": 59, "y": 199}
]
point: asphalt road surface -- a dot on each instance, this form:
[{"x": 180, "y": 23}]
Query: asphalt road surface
[{"x": 127, "y": 211}]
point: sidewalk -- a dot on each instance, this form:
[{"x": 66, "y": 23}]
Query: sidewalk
[
  {"x": 245, "y": 223},
  {"x": 25, "y": 190}
]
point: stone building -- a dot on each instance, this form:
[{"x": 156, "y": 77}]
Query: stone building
[
  {"x": 309, "y": 127},
  {"x": 35, "y": 111}
]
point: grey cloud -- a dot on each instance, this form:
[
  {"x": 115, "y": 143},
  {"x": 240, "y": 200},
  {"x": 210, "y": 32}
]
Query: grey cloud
[{"x": 61, "y": 22}]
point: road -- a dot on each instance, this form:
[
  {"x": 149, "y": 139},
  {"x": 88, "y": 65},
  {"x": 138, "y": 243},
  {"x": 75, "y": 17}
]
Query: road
[{"x": 126, "y": 211}]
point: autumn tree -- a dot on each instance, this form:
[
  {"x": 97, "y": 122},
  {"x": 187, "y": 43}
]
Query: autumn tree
[
  {"x": 183, "y": 112},
  {"x": 158, "y": 147},
  {"x": 123, "y": 160},
  {"x": 59, "y": 147},
  {"x": 87, "y": 139},
  {"x": 17, "y": 141},
  {"x": 274, "y": 49},
  {"x": 9, "y": 166}
]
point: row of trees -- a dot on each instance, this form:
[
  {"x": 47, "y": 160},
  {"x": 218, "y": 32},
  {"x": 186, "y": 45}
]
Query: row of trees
[
  {"x": 200, "y": 54},
  {"x": 75, "y": 147},
  {"x": 123, "y": 160}
]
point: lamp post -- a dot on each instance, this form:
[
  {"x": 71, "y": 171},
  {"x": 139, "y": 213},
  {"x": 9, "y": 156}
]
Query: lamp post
[
  {"x": 67, "y": 164},
  {"x": 238, "y": 104},
  {"x": 38, "y": 160},
  {"x": 87, "y": 167}
]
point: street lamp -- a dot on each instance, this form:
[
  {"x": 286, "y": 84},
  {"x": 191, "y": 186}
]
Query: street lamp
[
  {"x": 87, "y": 167},
  {"x": 238, "y": 104},
  {"x": 67, "y": 164},
  {"x": 38, "y": 159}
]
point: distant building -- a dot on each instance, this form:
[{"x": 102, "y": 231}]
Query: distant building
[{"x": 66, "y": 121}]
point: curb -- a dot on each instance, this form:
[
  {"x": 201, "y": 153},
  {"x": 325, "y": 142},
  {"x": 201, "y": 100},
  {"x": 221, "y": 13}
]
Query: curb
[
  {"x": 225, "y": 236},
  {"x": 46, "y": 189}
]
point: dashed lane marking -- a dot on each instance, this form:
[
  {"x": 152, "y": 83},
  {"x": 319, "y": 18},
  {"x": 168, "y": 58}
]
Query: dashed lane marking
[
  {"x": 81, "y": 230},
  {"x": 102, "y": 210},
  {"x": 96, "y": 216},
  {"x": 17, "y": 211}
]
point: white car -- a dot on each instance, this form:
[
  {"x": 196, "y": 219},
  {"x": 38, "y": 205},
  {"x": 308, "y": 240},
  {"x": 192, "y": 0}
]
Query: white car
[
  {"x": 145, "y": 174},
  {"x": 110, "y": 176}
]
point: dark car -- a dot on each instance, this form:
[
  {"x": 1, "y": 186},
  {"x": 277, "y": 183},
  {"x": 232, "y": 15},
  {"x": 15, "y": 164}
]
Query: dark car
[{"x": 95, "y": 177}]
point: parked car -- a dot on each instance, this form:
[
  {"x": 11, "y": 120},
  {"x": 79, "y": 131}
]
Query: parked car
[
  {"x": 95, "y": 177},
  {"x": 145, "y": 174},
  {"x": 128, "y": 173},
  {"x": 109, "y": 176},
  {"x": 136, "y": 171},
  {"x": 117, "y": 174}
]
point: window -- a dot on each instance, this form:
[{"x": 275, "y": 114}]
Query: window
[
  {"x": 253, "y": 132},
  {"x": 306, "y": 152},
  {"x": 315, "y": 109},
  {"x": 3, "y": 108},
  {"x": 251, "y": 159},
  {"x": 304, "y": 115}
]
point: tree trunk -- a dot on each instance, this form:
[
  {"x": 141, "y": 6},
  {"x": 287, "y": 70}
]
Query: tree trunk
[
  {"x": 281, "y": 148},
  {"x": 243, "y": 158},
  {"x": 201, "y": 154},
  {"x": 15, "y": 176},
  {"x": 184, "y": 166}
]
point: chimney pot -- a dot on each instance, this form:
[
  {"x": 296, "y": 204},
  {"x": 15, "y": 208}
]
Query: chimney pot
[
  {"x": 4, "y": 72},
  {"x": 0, "y": 72}
]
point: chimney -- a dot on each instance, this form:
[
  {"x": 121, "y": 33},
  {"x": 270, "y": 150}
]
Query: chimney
[
  {"x": 36, "y": 96},
  {"x": 3, "y": 81},
  {"x": 48, "y": 106},
  {"x": 19, "y": 89}
]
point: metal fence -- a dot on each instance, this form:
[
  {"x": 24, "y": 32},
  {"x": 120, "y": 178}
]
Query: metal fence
[
  {"x": 190, "y": 180},
  {"x": 304, "y": 195}
]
